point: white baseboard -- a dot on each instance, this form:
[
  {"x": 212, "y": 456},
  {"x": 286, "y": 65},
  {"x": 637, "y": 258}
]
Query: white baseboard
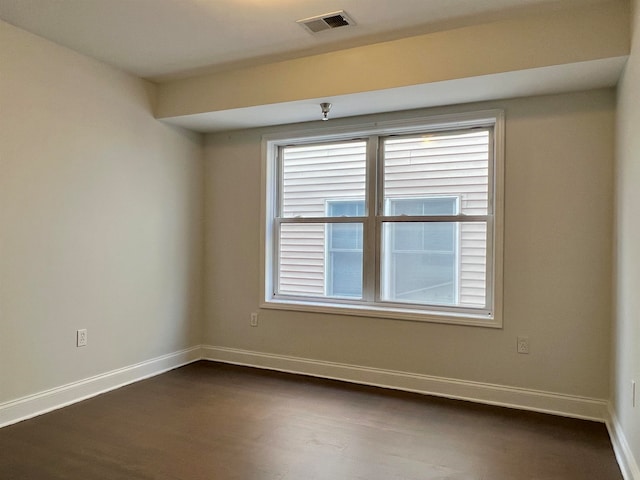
[
  {"x": 565, "y": 405},
  {"x": 626, "y": 460},
  {"x": 520, "y": 398},
  {"x": 30, "y": 406}
]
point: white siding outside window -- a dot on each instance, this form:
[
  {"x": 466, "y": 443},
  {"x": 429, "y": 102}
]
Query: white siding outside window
[{"x": 402, "y": 219}]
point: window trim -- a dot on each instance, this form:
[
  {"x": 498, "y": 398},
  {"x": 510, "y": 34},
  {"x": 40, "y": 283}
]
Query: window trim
[{"x": 270, "y": 145}]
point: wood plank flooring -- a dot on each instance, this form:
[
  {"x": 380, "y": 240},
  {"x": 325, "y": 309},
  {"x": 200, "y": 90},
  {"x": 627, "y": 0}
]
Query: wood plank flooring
[{"x": 219, "y": 422}]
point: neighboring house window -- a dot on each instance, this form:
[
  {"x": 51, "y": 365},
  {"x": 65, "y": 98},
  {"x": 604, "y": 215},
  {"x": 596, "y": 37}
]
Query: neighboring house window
[
  {"x": 343, "y": 260},
  {"x": 400, "y": 221},
  {"x": 420, "y": 261}
]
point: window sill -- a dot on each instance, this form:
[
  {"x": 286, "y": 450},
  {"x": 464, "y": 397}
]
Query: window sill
[{"x": 406, "y": 314}]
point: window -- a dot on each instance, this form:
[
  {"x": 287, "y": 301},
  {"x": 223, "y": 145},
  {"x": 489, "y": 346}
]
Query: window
[
  {"x": 401, "y": 220},
  {"x": 343, "y": 260}
]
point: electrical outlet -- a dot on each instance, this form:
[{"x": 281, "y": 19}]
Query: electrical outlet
[
  {"x": 81, "y": 338},
  {"x": 523, "y": 344},
  {"x": 254, "y": 320}
]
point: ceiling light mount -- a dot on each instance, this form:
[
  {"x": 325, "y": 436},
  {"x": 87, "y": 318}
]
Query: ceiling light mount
[{"x": 325, "y": 107}]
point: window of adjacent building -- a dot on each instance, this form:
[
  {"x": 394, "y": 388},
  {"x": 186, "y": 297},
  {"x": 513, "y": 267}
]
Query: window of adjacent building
[
  {"x": 343, "y": 258},
  {"x": 420, "y": 261},
  {"x": 396, "y": 221}
]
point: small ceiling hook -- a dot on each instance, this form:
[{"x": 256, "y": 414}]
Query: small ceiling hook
[{"x": 325, "y": 107}]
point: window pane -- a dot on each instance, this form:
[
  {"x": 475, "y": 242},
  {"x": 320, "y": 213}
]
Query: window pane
[
  {"x": 345, "y": 208},
  {"x": 437, "y": 165},
  {"x": 313, "y": 176},
  {"x": 345, "y": 274},
  {"x": 424, "y": 206},
  {"x": 321, "y": 260},
  {"x": 344, "y": 260},
  {"x": 432, "y": 237},
  {"x": 344, "y": 236},
  {"x": 438, "y": 263}
]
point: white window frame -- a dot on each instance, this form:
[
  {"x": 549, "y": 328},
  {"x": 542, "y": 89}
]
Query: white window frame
[{"x": 489, "y": 317}]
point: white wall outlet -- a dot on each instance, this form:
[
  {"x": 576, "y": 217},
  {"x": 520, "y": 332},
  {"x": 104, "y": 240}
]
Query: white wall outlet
[
  {"x": 523, "y": 345},
  {"x": 254, "y": 320},
  {"x": 81, "y": 338},
  {"x": 633, "y": 393}
]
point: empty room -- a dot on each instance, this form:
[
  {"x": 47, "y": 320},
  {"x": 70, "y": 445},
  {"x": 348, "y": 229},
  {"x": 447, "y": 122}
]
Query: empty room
[{"x": 320, "y": 239}]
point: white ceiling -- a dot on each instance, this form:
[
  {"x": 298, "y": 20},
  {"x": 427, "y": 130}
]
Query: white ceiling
[{"x": 160, "y": 39}]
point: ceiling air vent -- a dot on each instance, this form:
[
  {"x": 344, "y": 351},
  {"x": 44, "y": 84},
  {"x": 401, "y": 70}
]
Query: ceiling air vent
[{"x": 327, "y": 21}]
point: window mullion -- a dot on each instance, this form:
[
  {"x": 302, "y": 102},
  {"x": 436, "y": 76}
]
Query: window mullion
[
  {"x": 370, "y": 247},
  {"x": 490, "y": 238},
  {"x": 379, "y": 212}
]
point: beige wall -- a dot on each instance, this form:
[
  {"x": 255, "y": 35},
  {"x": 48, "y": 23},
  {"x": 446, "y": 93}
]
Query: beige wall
[
  {"x": 559, "y": 175},
  {"x": 626, "y": 354},
  {"x": 100, "y": 214}
]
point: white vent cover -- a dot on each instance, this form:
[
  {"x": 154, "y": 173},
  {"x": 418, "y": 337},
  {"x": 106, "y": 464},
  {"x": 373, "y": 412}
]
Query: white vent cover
[{"x": 326, "y": 21}]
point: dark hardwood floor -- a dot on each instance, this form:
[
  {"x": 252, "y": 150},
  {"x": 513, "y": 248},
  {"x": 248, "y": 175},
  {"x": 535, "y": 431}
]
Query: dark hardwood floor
[{"x": 219, "y": 422}]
